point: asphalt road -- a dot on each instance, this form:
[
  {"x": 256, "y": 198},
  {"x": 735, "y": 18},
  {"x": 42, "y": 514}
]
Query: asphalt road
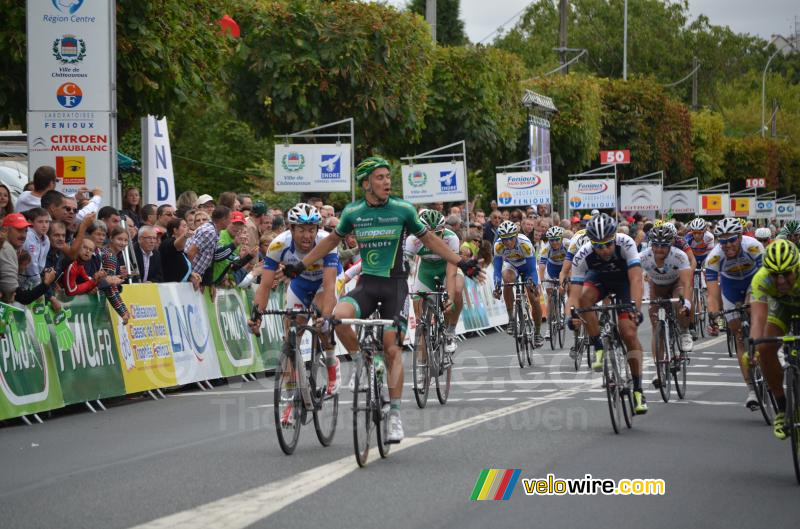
[{"x": 211, "y": 458}]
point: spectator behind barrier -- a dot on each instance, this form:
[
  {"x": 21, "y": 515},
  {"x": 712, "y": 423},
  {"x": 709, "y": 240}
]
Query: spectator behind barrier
[
  {"x": 175, "y": 265},
  {"x": 131, "y": 206},
  {"x": 148, "y": 258},
  {"x": 44, "y": 179}
]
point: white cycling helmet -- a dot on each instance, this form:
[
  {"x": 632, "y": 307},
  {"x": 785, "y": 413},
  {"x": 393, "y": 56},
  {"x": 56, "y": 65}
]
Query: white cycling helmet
[
  {"x": 697, "y": 224},
  {"x": 507, "y": 229},
  {"x": 728, "y": 225},
  {"x": 303, "y": 213},
  {"x": 763, "y": 234},
  {"x": 554, "y": 232}
]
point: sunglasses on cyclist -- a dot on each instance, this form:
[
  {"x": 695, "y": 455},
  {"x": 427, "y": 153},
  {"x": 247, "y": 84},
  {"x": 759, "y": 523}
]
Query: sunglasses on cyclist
[
  {"x": 776, "y": 275},
  {"x": 729, "y": 240},
  {"x": 602, "y": 244},
  {"x": 554, "y": 239},
  {"x": 661, "y": 244}
]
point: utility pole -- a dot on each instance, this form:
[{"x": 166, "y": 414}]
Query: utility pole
[
  {"x": 430, "y": 17},
  {"x": 625, "y": 44},
  {"x": 562, "y": 33},
  {"x": 694, "y": 84}
]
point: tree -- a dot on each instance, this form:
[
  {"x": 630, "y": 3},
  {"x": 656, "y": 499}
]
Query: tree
[
  {"x": 341, "y": 59},
  {"x": 708, "y": 147},
  {"x": 449, "y": 26},
  {"x": 169, "y": 53}
]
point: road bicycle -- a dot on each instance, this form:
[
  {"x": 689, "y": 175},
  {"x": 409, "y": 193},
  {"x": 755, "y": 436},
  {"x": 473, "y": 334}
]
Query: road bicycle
[
  {"x": 301, "y": 386},
  {"x": 671, "y": 361},
  {"x": 430, "y": 358},
  {"x": 742, "y": 312},
  {"x": 766, "y": 400},
  {"x": 370, "y": 399},
  {"x": 791, "y": 378},
  {"x": 555, "y": 314},
  {"x": 523, "y": 322},
  {"x": 699, "y": 304},
  {"x": 617, "y": 379}
]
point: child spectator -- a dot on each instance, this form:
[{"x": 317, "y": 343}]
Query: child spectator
[
  {"x": 36, "y": 242},
  {"x": 77, "y": 280}
]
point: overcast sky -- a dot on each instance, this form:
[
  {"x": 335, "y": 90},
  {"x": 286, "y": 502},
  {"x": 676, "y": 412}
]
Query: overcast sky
[{"x": 758, "y": 17}]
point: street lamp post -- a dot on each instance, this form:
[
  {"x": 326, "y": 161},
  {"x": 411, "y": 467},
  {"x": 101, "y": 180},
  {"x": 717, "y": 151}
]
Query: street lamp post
[
  {"x": 764, "y": 88},
  {"x": 625, "y": 43}
]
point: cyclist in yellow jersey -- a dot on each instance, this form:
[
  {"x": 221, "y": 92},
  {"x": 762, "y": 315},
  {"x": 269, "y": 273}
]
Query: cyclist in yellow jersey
[{"x": 776, "y": 293}]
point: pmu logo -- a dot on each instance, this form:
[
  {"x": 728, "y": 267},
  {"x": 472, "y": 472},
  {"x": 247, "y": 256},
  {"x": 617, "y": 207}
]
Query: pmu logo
[
  {"x": 67, "y": 6},
  {"x": 69, "y": 95},
  {"x": 504, "y": 198},
  {"x": 331, "y": 166},
  {"x": 447, "y": 180}
]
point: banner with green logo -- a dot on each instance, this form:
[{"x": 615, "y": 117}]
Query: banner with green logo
[
  {"x": 90, "y": 370},
  {"x": 272, "y": 333},
  {"x": 28, "y": 379}
]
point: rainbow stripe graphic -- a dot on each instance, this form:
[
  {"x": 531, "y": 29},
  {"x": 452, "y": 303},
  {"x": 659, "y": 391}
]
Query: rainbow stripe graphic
[{"x": 495, "y": 484}]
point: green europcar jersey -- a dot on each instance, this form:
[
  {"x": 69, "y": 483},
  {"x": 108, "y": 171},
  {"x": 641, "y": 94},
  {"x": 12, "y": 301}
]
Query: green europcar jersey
[{"x": 381, "y": 232}]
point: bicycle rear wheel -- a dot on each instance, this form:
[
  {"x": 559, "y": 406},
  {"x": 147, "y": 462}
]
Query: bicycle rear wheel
[
  {"x": 421, "y": 371},
  {"x": 326, "y": 407},
  {"x": 662, "y": 366},
  {"x": 793, "y": 415},
  {"x": 287, "y": 405},
  {"x": 611, "y": 381},
  {"x": 519, "y": 334},
  {"x": 363, "y": 419},
  {"x": 379, "y": 415}
]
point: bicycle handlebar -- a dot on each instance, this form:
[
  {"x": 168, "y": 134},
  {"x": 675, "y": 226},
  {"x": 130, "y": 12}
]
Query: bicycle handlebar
[
  {"x": 663, "y": 301},
  {"x": 362, "y": 321}
]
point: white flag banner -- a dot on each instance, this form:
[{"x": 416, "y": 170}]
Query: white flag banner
[
  {"x": 523, "y": 188},
  {"x": 593, "y": 194},
  {"x": 640, "y": 197},
  {"x": 785, "y": 210},
  {"x": 158, "y": 177},
  {"x": 679, "y": 201},
  {"x": 765, "y": 209},
  {"x": 434, "y": 182},
  {"x": 312, "y": 167}
]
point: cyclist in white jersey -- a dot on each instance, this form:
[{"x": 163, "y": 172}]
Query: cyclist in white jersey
[
  {"x": 730, "y": 268},
  {"x": 551, "y": 259},
  {"x": 315, "y": 285},
  {"x": 670, "y": 276}
]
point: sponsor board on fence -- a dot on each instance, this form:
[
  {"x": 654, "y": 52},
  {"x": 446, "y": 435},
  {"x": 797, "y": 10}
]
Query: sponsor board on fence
[
  {"x": 785, "y": 210},
  {"x": 304, "y": 168},
  {"x": 434, "y": 182},
  {"x": 714, "y": 204},
  {"x": 742, "y": 206},
  {"x": 591, "y": 194},
  {"x": 765, "y": 209},
  {"x": 640, "y": 197},
  {"x": 523, "y": 188},
  {"x": 680, "y": 201}
]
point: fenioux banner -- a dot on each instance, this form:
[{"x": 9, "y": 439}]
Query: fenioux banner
[
  {"x": 307, "y": 168},
  {"x": 640, "y": 197},
  {"x": 158, "y": 178},
  {"x": 434, "y": 182},
  {"x": 714, "y": 204},
  {"x": 591, "y": 194},
  {"x": 765, "y": 209},
  {"x": 785, "y": 210},
  {"x": 679, "y": 201},
  {"x": 70, "y": 97},
  {"x": 523, "y": 188},
  {"x": 742, "y": 206}
]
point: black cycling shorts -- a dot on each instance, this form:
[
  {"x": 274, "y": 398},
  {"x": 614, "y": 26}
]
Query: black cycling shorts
[{"x": 391, "y": 292}]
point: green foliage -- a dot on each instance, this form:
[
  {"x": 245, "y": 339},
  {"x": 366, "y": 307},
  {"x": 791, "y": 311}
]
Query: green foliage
[
  {"x": 449, "y": 26},
  {"x": 13, "y": 54},
  {"x": 708, "y": 147},
  {"x": 575, "y": 128},
  {"x": 304, "y": 63}
]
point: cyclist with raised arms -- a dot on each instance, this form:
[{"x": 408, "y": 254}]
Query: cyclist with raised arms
[
  {"x": 514, "y": 257},
  {"x": 432, "y": 266},
  {"x": 611, "y": 265},
  {"x": 316, "y": 285},
  {"x": 552, "y": 257},
  {"x": 381, "y": 224},
  {"x": 776, "y": 294},
  {"x": 670, "y": 276},
  {"x": 730, "y": 268}
]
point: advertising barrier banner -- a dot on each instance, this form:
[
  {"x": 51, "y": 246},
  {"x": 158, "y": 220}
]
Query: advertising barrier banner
[
  {"x": 640, "y": 197},
  {"x": 591, "y": 194},
  {"x": 742, "y": 206},
  {"x": 679, "y": 201},
  {"x": 523, "y": 188},
  {"x": 313, "y": 167},
  {"x": 714, "y": 204},
  {"x": 434, "y": 182},
  {"x": 765, "y": 209},
  {"x": 785, "y": 210}
]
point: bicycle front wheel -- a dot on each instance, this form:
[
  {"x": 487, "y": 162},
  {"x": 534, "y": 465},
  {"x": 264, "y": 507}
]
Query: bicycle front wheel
[
  {"x": 562, "y": 328},
  {"x": 662, "y": 365},
  {"x": 793, "y": 416},
  {"x": 380, "y": 416},
  {"x": 287, "y": 405},
  {"x": 552, "y": 324},
  {"x": 519, "y": 334},
  {"x": 528, "y": 336},
  {"x": 444, "y": 374},
  {"x": 761, "y": 391},
  {"x": 680, "y": 365},
  {"x": 611, "y": 381},
  {"x": 326, "y": 407},
  {"x": 421, "y": 371},
  {"x": 363, "y": 420}
]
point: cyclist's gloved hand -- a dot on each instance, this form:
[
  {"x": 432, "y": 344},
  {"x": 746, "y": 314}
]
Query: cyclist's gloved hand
[
  {"x": 293, "y": 270},
  {"x": 255, "y": 321},
  {"x": 496, "y": 291},
  {"x": 570, "y": 324},
  {"x": 470, "y": 267}
]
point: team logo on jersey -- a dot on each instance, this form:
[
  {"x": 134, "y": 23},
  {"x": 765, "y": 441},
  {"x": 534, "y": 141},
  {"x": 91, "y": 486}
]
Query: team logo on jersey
[
  {"x": 714, "y": 260},
  {"x": 275, "y": 246},
  {"x": 754, "y": 249}
]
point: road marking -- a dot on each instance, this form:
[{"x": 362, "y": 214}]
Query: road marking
[{"x": 246, "y": 508}]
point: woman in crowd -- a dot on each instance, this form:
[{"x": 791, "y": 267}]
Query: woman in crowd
[
  {"x": 132, "y": 205},
  {"x": 117, "y": 242},
  {"x": 6, "y": 206},
  {"x": 175, "y": 266},
  {"x": 184, "y": 203}
]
